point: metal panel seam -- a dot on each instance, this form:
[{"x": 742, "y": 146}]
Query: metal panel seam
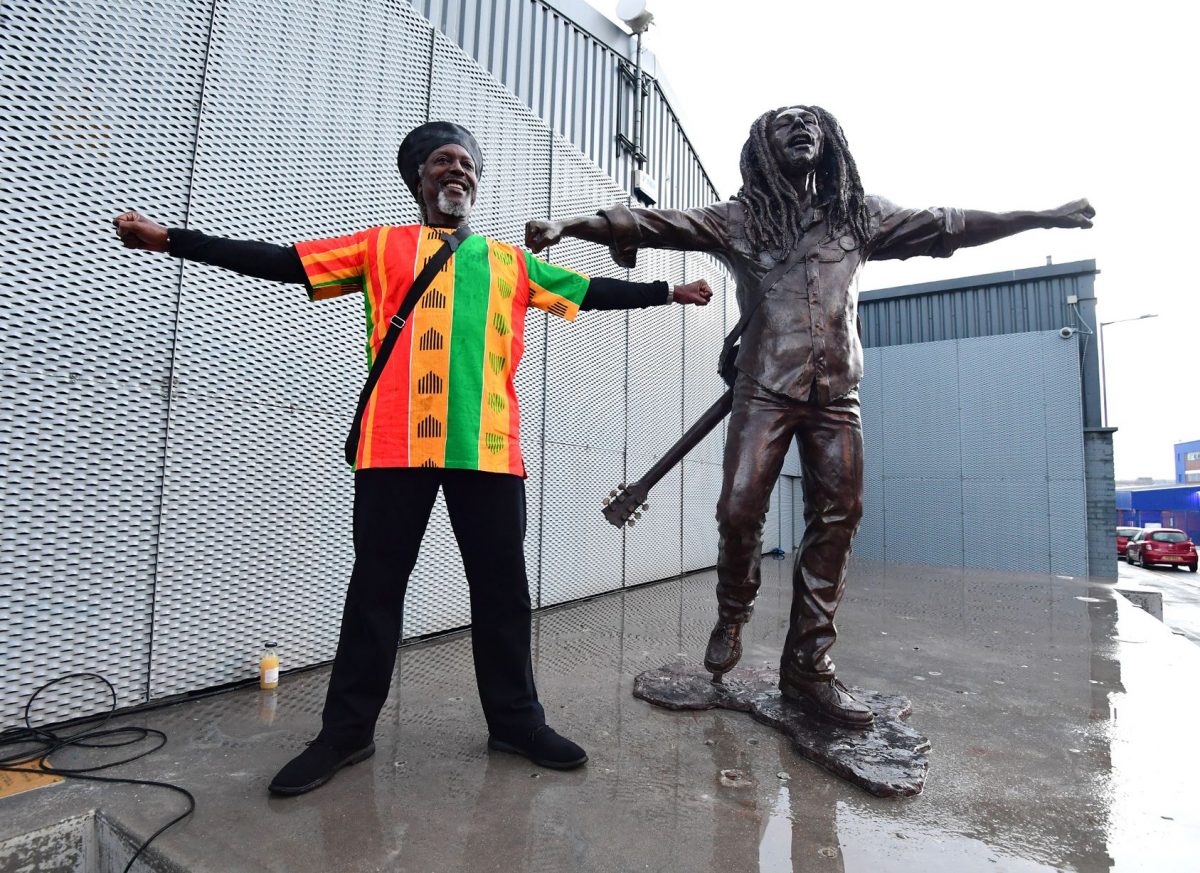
[
  {"x": 545, "y": 405},
  {"x": 170, "y": 386},
  {"x": 429, "y": 79}
]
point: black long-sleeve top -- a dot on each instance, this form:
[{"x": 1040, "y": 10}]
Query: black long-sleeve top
[{"x": 282, "y": 264}]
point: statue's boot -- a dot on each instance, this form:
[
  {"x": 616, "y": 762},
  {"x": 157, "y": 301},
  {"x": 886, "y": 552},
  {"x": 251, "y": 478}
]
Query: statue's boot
[
  {"x": 724, "y": 648},
  {"x": 826, "y": 698}
]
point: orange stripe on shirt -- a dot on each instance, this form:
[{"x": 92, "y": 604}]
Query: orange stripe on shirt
[
  {"x": 376, "y": 288},
  {"x": 429, "y": 388},
  {"x": 553, "y": 303},
  {"x": 496, "y": 407},
  {"x": 352, "y": 252}
]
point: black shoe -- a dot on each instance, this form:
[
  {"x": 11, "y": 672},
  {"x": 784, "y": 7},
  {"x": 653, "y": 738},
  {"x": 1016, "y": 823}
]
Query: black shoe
[
  {"x": 724, "y": 647},
  {"x": 315, "y": 766},
  {"x": 545, "y": 748},
  {"x": 828, "y": 699}
]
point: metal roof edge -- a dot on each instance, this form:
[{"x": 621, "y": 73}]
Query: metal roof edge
[
  {"x": 1073, "y": 268},
  {"x": 589, "y": 20},
  {"x": 1180, "y": 486}
]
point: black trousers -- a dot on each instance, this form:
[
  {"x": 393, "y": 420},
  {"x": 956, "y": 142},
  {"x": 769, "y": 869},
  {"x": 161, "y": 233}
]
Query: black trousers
[
  {"x": 391, "y": 510},
  {"x": 761, "y": 427}
]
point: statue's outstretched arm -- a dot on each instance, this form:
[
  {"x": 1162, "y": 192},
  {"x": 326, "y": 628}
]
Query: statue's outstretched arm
[
  {"x": 985, "y": 227},
  {"x": 626, "y": 230},
  {"x": 540, "y": 234}
]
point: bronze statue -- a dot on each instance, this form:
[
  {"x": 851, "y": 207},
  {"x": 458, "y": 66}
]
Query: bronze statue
[{"x": 795, "y": 236}]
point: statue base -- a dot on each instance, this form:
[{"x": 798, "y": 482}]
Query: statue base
[{"x": 887, "y": 759}]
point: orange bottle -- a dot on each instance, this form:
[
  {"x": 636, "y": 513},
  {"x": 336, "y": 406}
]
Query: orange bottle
[{"x": 268, "y": 668}]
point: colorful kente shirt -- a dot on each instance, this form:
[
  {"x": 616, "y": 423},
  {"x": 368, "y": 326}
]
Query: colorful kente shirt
[{"x": 446, "y": 396}]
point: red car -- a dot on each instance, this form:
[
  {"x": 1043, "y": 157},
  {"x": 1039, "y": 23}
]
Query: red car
[
  {"x": 1162, "y": 545},
  {"x": 1124, "y": 535}
]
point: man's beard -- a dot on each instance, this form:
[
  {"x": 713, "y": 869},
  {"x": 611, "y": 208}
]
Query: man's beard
[{"x": 455, "y": 208}]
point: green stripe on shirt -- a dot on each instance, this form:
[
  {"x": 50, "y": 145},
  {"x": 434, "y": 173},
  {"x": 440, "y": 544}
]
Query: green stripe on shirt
[{"x": 472, "y": 292}]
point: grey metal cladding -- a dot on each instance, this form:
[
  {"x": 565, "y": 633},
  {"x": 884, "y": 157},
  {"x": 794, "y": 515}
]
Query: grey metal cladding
[
  {"x": 100, "y": 113},
  {"x": 703, "y": 332},
  {"x": 869, "y": 543},
  {"x": 255, "y": 542},
  {"x": 1068, "y": 540},
  {"x": 701, "y": 488},
  {"x": 655, "y": 362},
  {"x": 653, "y": 546},
  {"x": 982, "y": 454},
  {"x": 1062, "y": 405},
  {"x": 924, "y": 520},
  {"x": 920, "y": 407},
  {"x": 1018, "y": 301},
  {"x": 83, "y": 461},
  {"x": 870, "y": 397},
  {"x": 1003, "y": 414},
  {"x": 585, "y": 359},
  {"x": 797, "y": 486},
  {"x": 771, "y": 536},
  {"x": 287, "y": 151},
  {"x": 786, "y": 522},
  {"x": 515, "y": 184},
  {"x": 534, "y": 456},
  {"x": 571, "y": 78},
  {"x": 581, "y": 551},
  {"x": 1005, "y": 524}
]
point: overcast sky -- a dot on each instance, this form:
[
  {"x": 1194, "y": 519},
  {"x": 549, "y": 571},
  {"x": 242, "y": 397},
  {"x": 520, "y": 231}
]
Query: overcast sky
[{"x": 1003, "y": 105}]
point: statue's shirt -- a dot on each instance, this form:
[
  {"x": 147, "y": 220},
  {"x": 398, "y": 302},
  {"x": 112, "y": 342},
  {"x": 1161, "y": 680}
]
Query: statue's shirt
[{"x": 803, "y": 341}]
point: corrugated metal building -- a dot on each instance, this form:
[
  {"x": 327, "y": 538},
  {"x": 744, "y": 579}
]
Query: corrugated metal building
[{"x": 981, "y": 413}]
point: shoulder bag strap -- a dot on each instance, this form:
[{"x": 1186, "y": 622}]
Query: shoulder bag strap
[{"x": 432, "y": 267}]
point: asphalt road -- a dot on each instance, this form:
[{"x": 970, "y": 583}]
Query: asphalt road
[{"x": 1180, "y": 593}]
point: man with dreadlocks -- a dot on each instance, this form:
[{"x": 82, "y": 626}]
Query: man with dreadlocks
[{"x": 795, "y": 236}]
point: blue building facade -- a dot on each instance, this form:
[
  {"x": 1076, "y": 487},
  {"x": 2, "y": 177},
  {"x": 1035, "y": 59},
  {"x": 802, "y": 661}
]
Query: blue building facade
[
  {"x": 1187, "y": 462},
  {"x": 1168, "y": 506}
]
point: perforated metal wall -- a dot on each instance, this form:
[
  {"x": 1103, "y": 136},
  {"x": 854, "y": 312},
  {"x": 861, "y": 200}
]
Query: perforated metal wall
[
  {"x": 86, "y": 332},
  {"x": 173, "y": 489},
  {"x": 655, "y": 420},
  {"x": 974, "y": 454},
  {"x": 255, "y": 541}
]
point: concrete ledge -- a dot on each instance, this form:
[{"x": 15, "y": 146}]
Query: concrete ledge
[{"x": 1144, "y": 598}]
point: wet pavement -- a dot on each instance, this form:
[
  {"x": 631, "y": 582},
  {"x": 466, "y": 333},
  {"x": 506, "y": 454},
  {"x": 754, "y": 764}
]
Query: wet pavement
[
  {"x": 1180, "y": 594},
  {"x": 1061, "y": 719}
]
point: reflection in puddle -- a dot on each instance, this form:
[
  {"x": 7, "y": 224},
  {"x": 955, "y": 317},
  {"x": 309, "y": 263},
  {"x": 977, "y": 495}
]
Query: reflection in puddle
[
  {"x": 872, "y": 844},
  {"x": 775, "y": 847}
]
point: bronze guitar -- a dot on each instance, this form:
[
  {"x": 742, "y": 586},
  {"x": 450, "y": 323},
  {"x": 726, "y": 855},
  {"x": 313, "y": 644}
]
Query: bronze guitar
[{"x": 626, "y": 503}]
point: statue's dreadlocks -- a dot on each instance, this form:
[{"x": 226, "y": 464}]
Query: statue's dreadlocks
[{"x": 772, "y": 206}]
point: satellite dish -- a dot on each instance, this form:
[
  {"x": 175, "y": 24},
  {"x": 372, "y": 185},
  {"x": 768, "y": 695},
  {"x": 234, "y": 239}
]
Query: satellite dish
[{"x": 635, "y": 14}]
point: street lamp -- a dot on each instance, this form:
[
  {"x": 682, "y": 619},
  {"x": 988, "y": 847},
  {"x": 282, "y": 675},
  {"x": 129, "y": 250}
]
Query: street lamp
[
  {"x": 638, "y": 19},
  {"x": 1103, "y": 378}
]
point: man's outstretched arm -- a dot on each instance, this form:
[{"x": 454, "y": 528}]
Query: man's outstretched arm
[
  {"x": 605, "y": 293},
  {"x": 248, "y": 257}
]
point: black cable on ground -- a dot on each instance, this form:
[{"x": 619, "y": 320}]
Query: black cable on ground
[{"x": 46, "y": 742}]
